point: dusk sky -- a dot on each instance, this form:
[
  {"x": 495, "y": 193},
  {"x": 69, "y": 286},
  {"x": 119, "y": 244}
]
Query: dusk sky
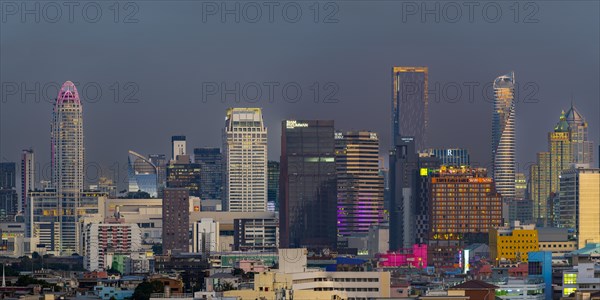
[{"x": 178, "y": 47}]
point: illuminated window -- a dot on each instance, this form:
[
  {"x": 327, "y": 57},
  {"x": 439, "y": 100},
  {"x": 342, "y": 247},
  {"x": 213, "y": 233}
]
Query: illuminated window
[
  {"x": 568, "y": 291},
  {"x": 570, "y": 278}
]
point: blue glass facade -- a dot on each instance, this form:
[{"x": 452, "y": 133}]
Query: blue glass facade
[
  {"x": 451, "y": 157},
  {"x": 142, "y": 174}
]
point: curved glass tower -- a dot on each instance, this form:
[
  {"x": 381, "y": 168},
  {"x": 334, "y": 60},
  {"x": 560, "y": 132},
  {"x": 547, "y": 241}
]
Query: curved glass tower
[
  {"x": 143, "y": 175},
  {"x": 67, "y": 165},
  {"x": 503, "y": 135}
]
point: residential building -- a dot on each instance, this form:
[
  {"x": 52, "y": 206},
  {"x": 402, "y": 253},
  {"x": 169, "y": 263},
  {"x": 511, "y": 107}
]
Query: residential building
[
  {"x": 175, "y": 219},
  {"x": 182, "y": 173},
  {"x": 255, "y": 234},
  {"x": 503, "y": 135},
  {"x": 103, "y": 239}
]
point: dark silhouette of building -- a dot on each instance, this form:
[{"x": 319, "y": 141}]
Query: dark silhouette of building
[
  {"x": 211, "y": 172},
  {"x": 175, "y": 217},
  {"x": 308, "y": 185}
]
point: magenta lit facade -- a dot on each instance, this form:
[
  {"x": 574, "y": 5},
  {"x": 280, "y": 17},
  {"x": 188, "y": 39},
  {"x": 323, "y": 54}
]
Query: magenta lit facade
[{"x": 415, "y": 257}]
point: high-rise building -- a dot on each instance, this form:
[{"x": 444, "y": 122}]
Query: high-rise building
[
  {"x": 178, "y": 146},
  {"x": 245, "y": 154},
  {"x": 175, "y": 217},
  {"x": 454, "y": 157},
  {"x": 105, "y": 239},
  {"x": 67, "y": 164},
  {"x": 273, "y": 185},
  {"x": 545, "y": 174},
  {"x": 463, "y": 207},
  {"x": 181, "y": 173},
  {"x": 404, "y": 162},
  {"x": 503, "y": 135},
  {"x": 211, "y": 172},
  {"x": 160, "y": 161},
  {"x": 27, "y": 176},
  {"x": 410, "y": 100},
  {"x": 142, "y": 175},
  {"x": 46, "y": 224},
  {"x": 9, "y": 203},
  {"x": 579, "y": 203},
  {"x": 520, "y": 186},
  {"x": 581, "y": 145},
  {"x": 359, "y": 184},
  {"x": 463, "y": 201},
  {"x": 308, "y": 188}
]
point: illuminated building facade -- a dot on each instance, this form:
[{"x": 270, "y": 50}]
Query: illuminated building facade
[
  {"x": 273, "y": 185},
  {"x": 410, "y": 101},
  {"x": 520, "y": 186},
  {"x": 503, "y": 135},
  {"x": 579, "y": 203},
  {"x": 181, "y": 173},
  {"x": 463, "y": 207},
  {"x": 143, "y": 175},
  {"x": 67, "y": 164},
  {"x": 308, "y": 184},
  {"x": 359, "y": 184},
  {"x": 450, "y": 157},
  {"x": 245, "y": 154},
  {"x": 545, "y": 174},
  {"x": 512, "y": 244}
]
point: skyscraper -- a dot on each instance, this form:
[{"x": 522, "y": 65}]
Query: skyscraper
[
  {"x": 308, "y": 189},
  {"x": 142, "y": 174},
  {"x": 181, "y": 173},
  {"x": 67, "y": 164},
  {"x": 545, "y": 174},
  {"x": 578, "y": 127},
  {"x": 273, "y": 185},
  {"x": 178, "y": 146},
  {"x": 245, "y": 153},
  {"x": 27, "y": 176},
  {"x": 360, "y": 186},
  {"x": 410, "y": 101},
  {"x": 8, "y": 194},
  {"x": 403, "y": 165},
  {"x": 176, "y": 218},
  {"x": 211, "y": 172},
  {"x": 579, "y": 203},
  {"x": 503, "y": 135}
]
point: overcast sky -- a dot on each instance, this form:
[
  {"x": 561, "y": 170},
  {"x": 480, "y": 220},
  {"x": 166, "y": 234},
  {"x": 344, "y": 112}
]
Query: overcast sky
[{"x": 162, "y": 67}]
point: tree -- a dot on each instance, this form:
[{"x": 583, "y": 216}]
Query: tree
[{"x": 145, "y": 289}]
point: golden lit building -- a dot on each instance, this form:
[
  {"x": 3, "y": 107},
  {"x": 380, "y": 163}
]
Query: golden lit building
[
  {"x": 544, "y": 176},
  {"x": 463, "y": 201},
  {"x": 513, "y": 244},
  {"x": 462, "y": 206},
  {"x": 579, "y": 203}
]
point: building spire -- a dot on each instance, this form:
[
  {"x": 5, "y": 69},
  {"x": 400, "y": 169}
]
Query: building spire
[{"x": 3, "y": 277}]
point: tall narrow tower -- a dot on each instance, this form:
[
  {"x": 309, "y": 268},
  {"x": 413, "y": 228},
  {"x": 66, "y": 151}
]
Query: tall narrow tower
[
  {"x": 245, "y": 153},
  {"x": 503, "y": 135},
  {"x": 27, "y": 177},
  {"x": 67, "y": 163},
  {"x": 410, "y": 102}
]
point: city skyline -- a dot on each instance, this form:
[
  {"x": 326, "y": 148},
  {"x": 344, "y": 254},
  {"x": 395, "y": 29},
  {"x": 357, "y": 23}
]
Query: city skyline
[{"x": 467, "y": 54}]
